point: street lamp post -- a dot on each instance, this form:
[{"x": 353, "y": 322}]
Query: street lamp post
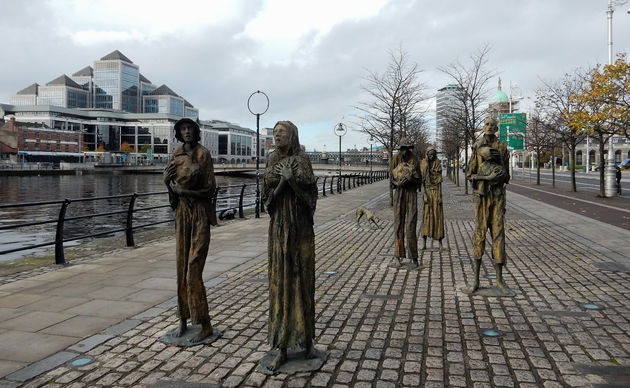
[
  {"x": 258, "y": 111},
  {"x": 340, "y": 130},
  {"x": 371, "y": 140}
]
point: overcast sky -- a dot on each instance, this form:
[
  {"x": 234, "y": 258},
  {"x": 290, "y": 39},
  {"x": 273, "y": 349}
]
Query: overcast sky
[{"x": 310, "y": 57}]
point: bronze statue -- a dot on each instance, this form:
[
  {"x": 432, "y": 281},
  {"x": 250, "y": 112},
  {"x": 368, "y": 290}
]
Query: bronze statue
[
  {"x": 189, "y": 177},
  {"x": 290, "y": 197},
  {"x": 488, "y": 170},
  {"x": 406, "y": 179},
  {"x": 433, "y": 211}
]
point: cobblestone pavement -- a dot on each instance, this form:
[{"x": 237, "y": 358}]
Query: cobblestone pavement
[{"x": 386, "y": 327}]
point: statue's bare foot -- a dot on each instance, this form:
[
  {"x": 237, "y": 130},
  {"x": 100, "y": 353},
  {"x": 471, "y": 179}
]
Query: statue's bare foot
[
  {"x": 503, "y": 289},
  {"x": 278, "y": 360},
  {"x": 397, "y": 262},
  {"x": 181, "y": 329},
  {"x": 473, "y": 288},
  {"x": 206, "y": 331},
  {"x": 310, "y": 353},
  {"x": 414, "y": 262}
]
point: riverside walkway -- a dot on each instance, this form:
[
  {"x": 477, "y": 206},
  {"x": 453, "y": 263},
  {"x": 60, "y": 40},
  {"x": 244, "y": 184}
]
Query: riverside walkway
[{"x": 382, "y": 326}]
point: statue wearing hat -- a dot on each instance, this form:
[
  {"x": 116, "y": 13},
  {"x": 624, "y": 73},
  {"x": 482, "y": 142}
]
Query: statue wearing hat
[
  {"x": 189, "y": 178},
  {"x": 488, "y": 170},
  {"x": 406, "y": 179},
  {"x": 432, "y": 211}
]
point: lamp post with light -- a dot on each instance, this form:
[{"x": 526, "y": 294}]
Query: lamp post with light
[
  {"x": 371, "y": 140},
  {"x": 258, "y": 111},
  {"x": 340, "y": 130}
]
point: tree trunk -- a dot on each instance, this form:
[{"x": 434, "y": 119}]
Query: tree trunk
[
  {"x": 600, "y": 137},
  {"x": 538, "y": 167},
  {"x": 457, "y": 167},
  {"x": 572, "y": 164},
  {"x": 391, "y": 160},
  {"x": 465, "y": 169}
]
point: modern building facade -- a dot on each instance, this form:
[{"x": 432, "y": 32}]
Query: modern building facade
[
  {"x": 111, "y": 113},
  {"x": 235, "y": 143},
  {"x": 114, "y": 83}
]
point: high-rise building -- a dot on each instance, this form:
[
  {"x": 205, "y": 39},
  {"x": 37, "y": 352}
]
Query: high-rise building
[
  {"x": 446, "y": 101},
  {"x": 117, "y": 83},
  {"x": 113, "y": 83}
]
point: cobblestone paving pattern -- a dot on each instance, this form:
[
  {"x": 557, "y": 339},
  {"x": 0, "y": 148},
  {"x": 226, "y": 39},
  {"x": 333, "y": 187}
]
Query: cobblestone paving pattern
[{"x": 385, "y": 327}]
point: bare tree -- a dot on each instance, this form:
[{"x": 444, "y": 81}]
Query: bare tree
[
  {"x": 556, "y": 99},
  {"x": 472, "y": 80},
  {"x": 539, "y": 136},
  {"x": 417, "y": 130},
  {"x": 453, "y": 139},
  {"x": 394, "y": 104}
]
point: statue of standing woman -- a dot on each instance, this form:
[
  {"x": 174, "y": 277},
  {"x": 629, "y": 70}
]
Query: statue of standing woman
[
  {"x": 433, "y": 211},
  {"x": 290, "y": 196},
  {"x": 189, "y": 177}
]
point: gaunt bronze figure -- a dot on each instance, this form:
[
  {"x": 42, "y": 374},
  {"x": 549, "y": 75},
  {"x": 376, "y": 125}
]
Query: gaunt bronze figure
[
  {"x": 290, "y": 197},
  {"x": 433, "y": 211},
  {"x": 189, "y": 177},
  {"x": 489, "y": 172},
  {"x": 406, "y": 179}
]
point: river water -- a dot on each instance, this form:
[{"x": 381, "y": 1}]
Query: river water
[{"x": 14, "y": 189}]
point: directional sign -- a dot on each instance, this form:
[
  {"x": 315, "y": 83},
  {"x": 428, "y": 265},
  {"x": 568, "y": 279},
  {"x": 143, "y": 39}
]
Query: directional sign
[{"x": 513, "y": 129}]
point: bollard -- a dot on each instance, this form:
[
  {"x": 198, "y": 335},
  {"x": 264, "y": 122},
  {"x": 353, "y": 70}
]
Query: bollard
[
  {"x": 129, "y": 226},
  {"x": 59, "y": 256},
  {"x": 240, "y": 202}
]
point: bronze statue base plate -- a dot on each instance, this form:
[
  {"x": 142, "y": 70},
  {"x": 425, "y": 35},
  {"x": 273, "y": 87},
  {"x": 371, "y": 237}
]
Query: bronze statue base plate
[
  {"x": 296, "y": 362},
  {"x": 187, "y": 339},
  {"x": 488, "y": 292}
]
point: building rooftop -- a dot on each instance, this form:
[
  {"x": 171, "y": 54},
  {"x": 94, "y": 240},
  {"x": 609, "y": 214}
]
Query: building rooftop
[
  {"x": 163, "y": 91},
  {"x": 144, "y": 79},
  {"x": 65, "y": 81},
  {"x": 116, "y": 55},
  {"x": 87, "y": 71},
  {"x": 32, "y": 89}
]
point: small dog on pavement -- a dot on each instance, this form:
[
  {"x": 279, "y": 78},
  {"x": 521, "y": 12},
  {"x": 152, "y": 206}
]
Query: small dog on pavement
[{"x": 361, "y": 211}]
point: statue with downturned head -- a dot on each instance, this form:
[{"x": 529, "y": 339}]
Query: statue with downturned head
[
  {"x": 488, "y": 170},
  {"x": 432, "y": 209},
  {"x": 290, "y": 197},
  {"x": 189, "y": 178}
]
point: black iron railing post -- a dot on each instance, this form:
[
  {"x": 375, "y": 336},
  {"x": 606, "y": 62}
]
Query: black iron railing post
[
  {"x": 59, "y": 256},
  {"x": 129, "y": 231},
  {"x": 324, "y": 187},
  {"x": 240, "y": 203},
  {"x": 332, "y": 178}
]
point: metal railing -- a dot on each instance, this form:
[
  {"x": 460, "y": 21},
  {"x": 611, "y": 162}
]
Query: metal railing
[{"x": 221, "y": 201}]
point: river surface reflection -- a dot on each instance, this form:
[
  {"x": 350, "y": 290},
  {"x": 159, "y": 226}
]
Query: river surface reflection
[{"x": 14, "y": 189}]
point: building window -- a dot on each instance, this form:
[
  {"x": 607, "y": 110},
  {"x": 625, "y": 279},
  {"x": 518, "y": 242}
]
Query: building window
[{"x": 36, "y": 135}]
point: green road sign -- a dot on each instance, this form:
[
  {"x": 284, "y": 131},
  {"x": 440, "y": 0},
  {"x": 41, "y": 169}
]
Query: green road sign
[{"x": 513, "y": 129}]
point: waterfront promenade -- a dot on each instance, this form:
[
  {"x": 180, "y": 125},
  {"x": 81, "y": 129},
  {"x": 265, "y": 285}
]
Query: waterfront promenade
[{"x": 382, "y": 326}]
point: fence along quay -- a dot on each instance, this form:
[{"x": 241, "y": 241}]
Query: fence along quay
[{"x": 229, "y": 198}]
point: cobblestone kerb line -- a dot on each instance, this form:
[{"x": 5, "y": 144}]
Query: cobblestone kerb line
[{"x": 387, "y": 328}]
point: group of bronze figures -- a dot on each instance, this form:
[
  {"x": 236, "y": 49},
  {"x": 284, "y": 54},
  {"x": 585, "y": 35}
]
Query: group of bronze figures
[
  {"x": 488, "y": 170},
  {"x": 290, "y": 196}
]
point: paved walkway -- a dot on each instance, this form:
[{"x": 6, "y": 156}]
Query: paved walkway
[{"x": 382, "y": 327}]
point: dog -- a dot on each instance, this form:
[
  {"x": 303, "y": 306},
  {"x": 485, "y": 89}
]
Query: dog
[{"x": 361, "y": 211}]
